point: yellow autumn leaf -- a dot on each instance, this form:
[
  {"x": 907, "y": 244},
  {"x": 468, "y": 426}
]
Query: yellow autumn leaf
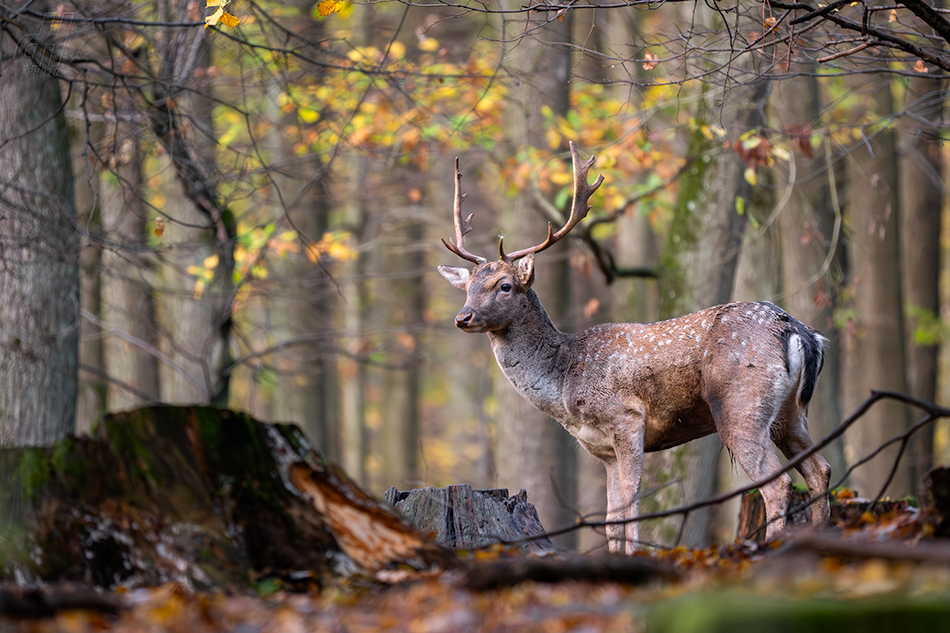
[
  {"x": 217, "y": 3},
  {"x": 428, "y": 44},
  {"x": 750, "y": 176},
  {"x": 212, "y": 20},
  {"x": 229, "y": 20},
  {"x": 313, "y": 253},
  {"x": 780, "y": 153},
  {"x": 327, "y": 7},
  {"x": 340, "y": 251},
  {"x": 364, "y": 53},
  {"x": 211, "y": 262},
  {"x": 307, "y": 115},
  {"x": 397, "y": 50}
]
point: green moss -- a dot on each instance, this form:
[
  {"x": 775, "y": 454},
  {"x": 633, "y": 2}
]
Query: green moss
[
  {"x": 730, "y": 612},
  {"x": 128, "y": 446},
  {"x": 34, "y": 473},
  {"x": 68, "y": 462},
  {"x": 683, "y": 234}
]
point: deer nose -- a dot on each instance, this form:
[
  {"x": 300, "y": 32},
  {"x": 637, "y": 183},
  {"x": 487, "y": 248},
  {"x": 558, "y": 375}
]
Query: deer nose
[{"x": 463, "y": 318}]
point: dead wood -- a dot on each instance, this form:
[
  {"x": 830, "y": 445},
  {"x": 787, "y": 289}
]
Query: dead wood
[
  {"x": 459, "y": 517},
  {"x": 933, "y": 551},
  {"x": 637, "y": 570},
  {"x": 200, "y": 496}
]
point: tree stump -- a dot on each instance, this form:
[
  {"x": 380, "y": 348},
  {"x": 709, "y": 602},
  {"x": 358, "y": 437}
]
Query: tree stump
[
  {"x": 752, "y": 514},
  {"x": 938, "y": 485},
  {"x": 201, "y": 496},
  {"x": 458, "y": 517}
]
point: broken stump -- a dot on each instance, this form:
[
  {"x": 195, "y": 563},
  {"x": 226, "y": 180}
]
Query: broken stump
[
  {"x": 458, "y": 517},
  {"x": 201, "y": 496}
]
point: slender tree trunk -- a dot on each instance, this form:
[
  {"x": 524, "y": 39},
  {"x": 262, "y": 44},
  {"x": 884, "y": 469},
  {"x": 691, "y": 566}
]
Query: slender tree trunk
[
  {"x": 307, "y": 387},
  {"x": 533, "y": 451},
  {"x": 39, "y": 255},
  {"x": 403, "y": 263},
  {"x": 195, "y": 317},
  {"x": 811, "y": 254},
  {"x": 873, "y": 341},
  {"x": 128, "y": 313},
  {"x": 93, "y": 386},
  {"x": 922, "y": 192},
  {"x": 354, "y": 442}
]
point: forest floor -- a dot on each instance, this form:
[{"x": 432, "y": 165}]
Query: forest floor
[{"x": 879, "y": 570}]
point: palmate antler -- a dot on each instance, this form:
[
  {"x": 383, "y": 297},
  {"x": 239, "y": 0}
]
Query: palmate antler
[{"x": 579, "y": 209}]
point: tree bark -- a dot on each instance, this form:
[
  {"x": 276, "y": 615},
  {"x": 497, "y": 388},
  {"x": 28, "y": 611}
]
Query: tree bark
[
  {"x": 533, "y": 451},
  {"x": 128, "y": 312},
  {"x": 93, "y": 386},
  {"x": 404, "y": 298},
  {"x": 873, "y": 341},
  {"x": 811, "y": 254},
  {"x": 195, "y": 318},
  {"x": 39, "y": 254},
  {"x": 921, "y": 204},
  {"x": 307, "y": 385}
]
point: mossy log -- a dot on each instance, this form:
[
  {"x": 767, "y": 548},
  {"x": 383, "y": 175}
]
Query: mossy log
[{"x": 202, "y": 496}]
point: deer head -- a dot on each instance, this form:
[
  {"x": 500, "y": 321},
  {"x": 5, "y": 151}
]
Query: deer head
[{"x": 495, "y": 289}]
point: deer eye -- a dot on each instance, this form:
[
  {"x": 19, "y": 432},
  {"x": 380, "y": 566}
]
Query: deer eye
[{"x": 506, "y": 287}]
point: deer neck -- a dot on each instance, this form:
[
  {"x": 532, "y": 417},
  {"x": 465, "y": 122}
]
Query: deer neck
[{"x": 534, "y": 355}]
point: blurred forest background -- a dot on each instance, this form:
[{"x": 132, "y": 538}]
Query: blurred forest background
[{"x": 249, "y": 214}]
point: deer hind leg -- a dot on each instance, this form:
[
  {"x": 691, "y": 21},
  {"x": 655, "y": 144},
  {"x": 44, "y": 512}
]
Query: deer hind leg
[
  {"x": 815, "y": 470},
  {"x": 747, "y": 437}
]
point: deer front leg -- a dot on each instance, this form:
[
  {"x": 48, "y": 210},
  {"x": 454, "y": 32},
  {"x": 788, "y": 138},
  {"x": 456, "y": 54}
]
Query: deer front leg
[
  {"x": 616, "y": 508},
  {"x": 623, "y": 489}
]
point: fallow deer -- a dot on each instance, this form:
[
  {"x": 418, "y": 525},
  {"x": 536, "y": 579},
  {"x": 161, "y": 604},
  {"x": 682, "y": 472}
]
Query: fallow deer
[{"x": 744, "y": 370}]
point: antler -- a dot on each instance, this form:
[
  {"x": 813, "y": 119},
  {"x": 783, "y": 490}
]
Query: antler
[
  {"x": 462, "y": 226},
  {"x": 579, "y": 207}
]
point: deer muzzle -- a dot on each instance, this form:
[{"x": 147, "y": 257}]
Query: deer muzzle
[{"x": 465, "y": 320}]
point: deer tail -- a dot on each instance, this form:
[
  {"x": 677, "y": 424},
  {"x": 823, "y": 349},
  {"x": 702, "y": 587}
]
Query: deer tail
[{"x": 809, "y": 346}]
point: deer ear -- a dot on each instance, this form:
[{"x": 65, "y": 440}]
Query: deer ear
[
  {"x": 456, "y": 276},
  {"x": 526, "y": 270}
]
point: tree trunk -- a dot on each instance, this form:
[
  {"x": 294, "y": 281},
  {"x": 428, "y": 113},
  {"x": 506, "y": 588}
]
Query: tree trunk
[
  {"x": 698, "y": 271},
  {"x": 307, "y": 387},
  {"x": 811, "y": 254},
  {"x": 93, "y": 386},
  {"x": 533, "y": 451},
  {"x": 404, "y": 298},
  {"x": 873, "y": 345},
  {"x": 921, "y": 203},
  {"x": 128, "y": 313},
  {"x": 354, "y": 441},
  {"x": 195, "y": 313},
  {"x": 39, "y": 255}
]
